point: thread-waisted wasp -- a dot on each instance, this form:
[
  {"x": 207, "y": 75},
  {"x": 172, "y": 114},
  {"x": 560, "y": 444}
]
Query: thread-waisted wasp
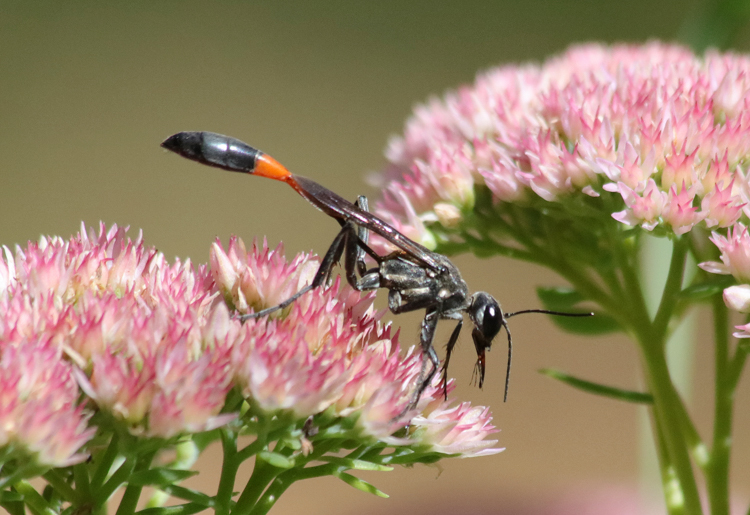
[{"x": 415, "y": 277}]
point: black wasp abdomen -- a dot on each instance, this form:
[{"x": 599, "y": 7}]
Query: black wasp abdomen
[{"x": 214, "y": 150}]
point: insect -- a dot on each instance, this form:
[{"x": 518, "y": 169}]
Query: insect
[{"x": 415, "y": 277}]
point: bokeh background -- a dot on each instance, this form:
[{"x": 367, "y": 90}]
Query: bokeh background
[{"x": 88, "y": 90}]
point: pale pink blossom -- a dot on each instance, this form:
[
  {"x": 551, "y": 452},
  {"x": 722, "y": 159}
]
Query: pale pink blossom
[
  {"x": 679, "y": 212},
  {"x": 460, "y": 429},
  {"x": 737, "y": 298},
  {"x": 644, "y": 122},
  {"x": 134, "y": 326},
  {"x": 151, "y": 344},
  {"x": 742, "y": 332},
  {"x": 39, "y": 410},
  {"x": 735, "y": 253},
  {"x": 721, "y": 208},
  {"x": 644, "y": 210},
  {"x": 261, "y": 282}
]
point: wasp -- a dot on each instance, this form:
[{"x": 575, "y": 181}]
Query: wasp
[{"x": 416, "y": 277}]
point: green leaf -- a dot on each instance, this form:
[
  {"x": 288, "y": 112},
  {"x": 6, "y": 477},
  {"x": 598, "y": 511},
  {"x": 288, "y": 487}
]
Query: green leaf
[
  {"x": 359, "y": 484},
  {"x": 293, "y": 443},
  {"x": 596, "y": 325},
  {"x": 13, "y": 507},
  {"x": 183, "y": 509},
  {"x": 276, "y": 459},
  {"x": 189, "y": 495},
  {"x": 8, "y": 496},
  {"x": 704, "y": 291},
  {"x": 559, "y": 298},
  {"x": 356, "y": 464},
  {"x": 599, "y": 389},
  {"x": 410, "y": 458},
  {"x": 160, "y": 477},
  {"x": 567, "y": 300}
]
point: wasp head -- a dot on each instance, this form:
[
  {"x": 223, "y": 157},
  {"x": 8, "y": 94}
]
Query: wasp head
[{"x": 488, "y": 318}]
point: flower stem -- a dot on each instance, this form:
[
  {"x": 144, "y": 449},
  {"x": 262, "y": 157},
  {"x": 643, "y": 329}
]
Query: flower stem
[
  {"x": 277, "y": 487},
  {"x": 672, "y": 288},
  {"x": 132, "y": 493},
  {"x": 666, "y": 411},
  {"x": 718, "y": 471},
  {"x": 263, "y": 474},
  {"x": 665, "y": 469},
  {"x": 62, "y": 487},
  {"x": 669, "y": 415},
  {"x": 229, "y": 469},
  {"x": 35, "y": 502},
  {"x": 105, "y": 461},
  {"x": 736, "y": 366}
]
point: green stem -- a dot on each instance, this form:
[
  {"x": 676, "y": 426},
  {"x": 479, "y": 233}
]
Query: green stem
[
  {"x": 62, "y": 487},
  {"x": 672, "y": 288},
  {"x": 695, "y": 444},
  {"x": 636, "y": 301},
  {"x": 35, "y": 502},
  {"x": 484, "y": 246},
  {"x": 718, "y": 476},
  {"x": 252, "y": 449},
  {"x": 665, "y": 469},
  {"x": 14, "y": 507},
  {"x": 736, "y": 366},
  {"x": 132, "y": 493},
  {"x": 263, "y": 474},
  {"x": 274, "y": 491},
  {"x": 119, "y": 477},
  {"x": 229, "y": 469},
  {"x": 667, "y": 413},
  {"x": 82, "y": 481},
  {"x": 106, "y": 460}
]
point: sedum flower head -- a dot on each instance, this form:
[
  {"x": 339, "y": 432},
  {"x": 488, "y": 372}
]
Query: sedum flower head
[
  {"x": 39, "y": 411},
  {"x": 134, "y": 331},
  {"x": 154, "y": 348},
  {"x": 650, "y": 136},
  {"x": 665, "y": 131}
]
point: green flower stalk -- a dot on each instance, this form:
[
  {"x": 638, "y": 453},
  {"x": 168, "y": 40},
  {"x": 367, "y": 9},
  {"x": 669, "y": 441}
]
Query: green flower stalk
[{"x": 572, "y": 165}]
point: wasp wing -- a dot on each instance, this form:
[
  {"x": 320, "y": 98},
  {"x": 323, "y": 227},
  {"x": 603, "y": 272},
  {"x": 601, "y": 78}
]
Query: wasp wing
[{"x": 338, "y": 207}]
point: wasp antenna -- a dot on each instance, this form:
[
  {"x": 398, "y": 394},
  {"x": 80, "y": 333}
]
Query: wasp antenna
[
  {"x": 547, "y": 312},
  {"x": 510, "y": 356}
]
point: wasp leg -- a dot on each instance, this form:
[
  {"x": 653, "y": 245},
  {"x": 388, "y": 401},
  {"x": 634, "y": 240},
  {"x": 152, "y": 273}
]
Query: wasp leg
[
  {"x": 426, "y": 335},
  {"x": 322, "y": 275},
  {"x": 397, "y": 306},
  {"x": 451, "y": 343},
  {"x": 363, "y": 235},
  {"x": 357, "y": 274}
]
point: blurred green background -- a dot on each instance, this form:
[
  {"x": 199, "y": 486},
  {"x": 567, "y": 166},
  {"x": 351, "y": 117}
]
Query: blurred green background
[{"x": 88, "y": 90}]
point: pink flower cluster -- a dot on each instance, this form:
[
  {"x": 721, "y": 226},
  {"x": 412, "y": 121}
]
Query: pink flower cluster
[
  {"x": 735, "y": 260},
  {"x": 153, "y": 345},
  {"x": 138, "y": 335},
  {"x": 330, "y": 352},
  {"x": 667, "y": 131}
]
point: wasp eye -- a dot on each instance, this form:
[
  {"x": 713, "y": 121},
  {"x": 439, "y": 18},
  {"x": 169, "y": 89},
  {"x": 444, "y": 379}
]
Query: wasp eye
[
  {"x": 486, "y": 314},
  {"x": 491, "y": 321}
]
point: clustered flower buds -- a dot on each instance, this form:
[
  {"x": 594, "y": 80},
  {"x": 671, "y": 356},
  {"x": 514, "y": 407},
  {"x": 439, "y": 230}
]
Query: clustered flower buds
[
  {"x": 659, "y": 136},
  {"x": 154, "y": 346}
]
